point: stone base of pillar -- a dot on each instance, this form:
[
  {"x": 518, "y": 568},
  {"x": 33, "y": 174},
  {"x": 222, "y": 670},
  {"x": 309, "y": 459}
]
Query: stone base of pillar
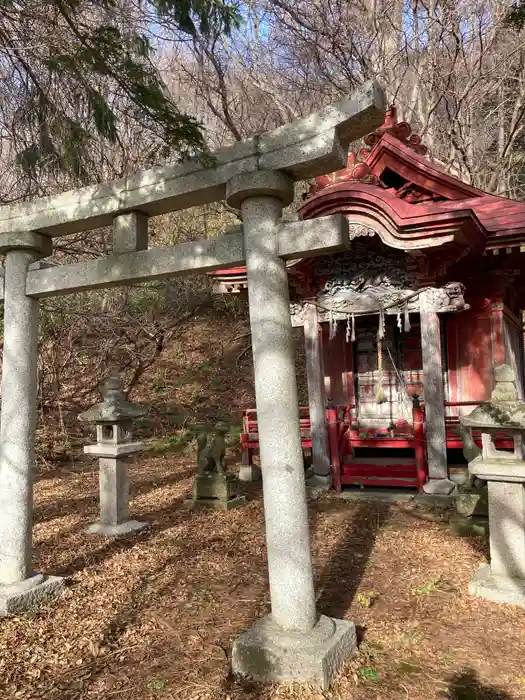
[
  {"x": 116, "y": 530},
  {"x": 317, "y": 484},
  {"x": 498, "y": 589},
  {"x": 28, "y": 594},
  {"x": 217, "y": 490},
  {"x": 266, "y": 653},
  {"x": 440, "y": 487},
  {"x": 249, "y": 472}
]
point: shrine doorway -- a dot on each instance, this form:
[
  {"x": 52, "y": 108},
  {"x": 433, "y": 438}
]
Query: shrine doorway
[
  {"x": 375, "y": 380},
  {"x": 384, "y": 376}
]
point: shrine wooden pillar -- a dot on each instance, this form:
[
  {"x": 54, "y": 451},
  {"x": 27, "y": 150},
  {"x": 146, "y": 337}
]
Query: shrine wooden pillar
[
  {"x": 316, "y": 394},
  {"x": 433, "y": 390}
]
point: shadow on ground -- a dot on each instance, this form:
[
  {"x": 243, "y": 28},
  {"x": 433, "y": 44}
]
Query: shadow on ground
[
  {"x": 466, "y": 685},
  {"x": 173, "y": 513},
  {"x": 480, "y": 545},
  {"x": 345, "y": 566},
  {"x": 58, "y": 508}
]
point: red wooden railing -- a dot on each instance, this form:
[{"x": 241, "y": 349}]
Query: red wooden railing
[
  {"x": 454, "y": 440},
  {"x": 343, "y": 435}
]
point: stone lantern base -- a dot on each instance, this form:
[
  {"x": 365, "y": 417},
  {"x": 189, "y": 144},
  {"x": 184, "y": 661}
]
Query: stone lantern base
[
  {"x": 498, "y": 589},
  {"x": 115, "y": 530},
  {"x": 503, "y": 580},
  {"x": 114, "y": 500}
]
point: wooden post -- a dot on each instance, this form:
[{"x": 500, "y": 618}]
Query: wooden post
[
  {"x": 433, "y": 391},
  {"x": 316, "y": 394}
]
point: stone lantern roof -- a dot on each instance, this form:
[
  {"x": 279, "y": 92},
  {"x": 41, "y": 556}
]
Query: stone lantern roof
[
  {"x": 115, "y": 407},
  {"x": 503, "y": 410}
]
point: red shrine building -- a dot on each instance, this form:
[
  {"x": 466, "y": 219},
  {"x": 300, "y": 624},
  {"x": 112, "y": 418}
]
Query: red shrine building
[{"x": 402, "y": 330}]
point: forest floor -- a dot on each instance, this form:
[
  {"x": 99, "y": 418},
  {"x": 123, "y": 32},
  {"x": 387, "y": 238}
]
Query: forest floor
[{"x": 152, "y": 616}]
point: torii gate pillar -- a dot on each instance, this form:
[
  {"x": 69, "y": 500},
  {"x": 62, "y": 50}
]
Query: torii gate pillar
[
  {"x": 293, "y": 642},
  {"x": 19, "y": 585}
]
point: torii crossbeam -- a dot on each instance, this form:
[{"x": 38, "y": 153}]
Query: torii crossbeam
[{"x": 257, "y": 176}]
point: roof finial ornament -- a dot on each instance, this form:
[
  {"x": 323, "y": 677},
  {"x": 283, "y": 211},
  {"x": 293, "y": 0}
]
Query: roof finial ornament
[
  {"x": 399, "y": 130},
  {"x": 357, "y": 168}
]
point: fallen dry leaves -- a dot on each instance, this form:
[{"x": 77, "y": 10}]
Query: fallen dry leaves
[{"x": 152, "y": 616}]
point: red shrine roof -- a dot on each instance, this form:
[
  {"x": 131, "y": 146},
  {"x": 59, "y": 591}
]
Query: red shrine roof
[{"x": 409, "y": 200}]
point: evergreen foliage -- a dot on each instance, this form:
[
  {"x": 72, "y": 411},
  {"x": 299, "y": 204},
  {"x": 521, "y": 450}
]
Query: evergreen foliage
[{"x": 72, "y": 68}]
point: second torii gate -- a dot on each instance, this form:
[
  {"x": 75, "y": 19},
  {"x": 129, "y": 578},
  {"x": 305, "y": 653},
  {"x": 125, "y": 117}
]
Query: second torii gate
[{"x": 257, "y": 176}]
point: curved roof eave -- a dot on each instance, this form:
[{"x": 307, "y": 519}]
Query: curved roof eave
[{"x": 400, "y": 224}]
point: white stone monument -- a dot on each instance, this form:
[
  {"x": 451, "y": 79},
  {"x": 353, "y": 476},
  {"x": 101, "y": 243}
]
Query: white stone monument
[{"x": 503, "y": 580}]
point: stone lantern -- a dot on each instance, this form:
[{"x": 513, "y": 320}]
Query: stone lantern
[
  {"x": 114, "y": 447},
  {"x": 503, "y": 580}
]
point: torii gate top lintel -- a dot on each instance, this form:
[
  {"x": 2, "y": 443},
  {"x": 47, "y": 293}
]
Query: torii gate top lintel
[{"x": 305, "y": 148}]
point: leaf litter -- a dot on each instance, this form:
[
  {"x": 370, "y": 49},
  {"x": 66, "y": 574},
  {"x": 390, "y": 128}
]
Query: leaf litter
[{"x": 153, "y": 615}]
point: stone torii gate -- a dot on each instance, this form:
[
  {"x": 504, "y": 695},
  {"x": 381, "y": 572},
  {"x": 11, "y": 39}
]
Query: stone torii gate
[{"x": 257, "y": 176}]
